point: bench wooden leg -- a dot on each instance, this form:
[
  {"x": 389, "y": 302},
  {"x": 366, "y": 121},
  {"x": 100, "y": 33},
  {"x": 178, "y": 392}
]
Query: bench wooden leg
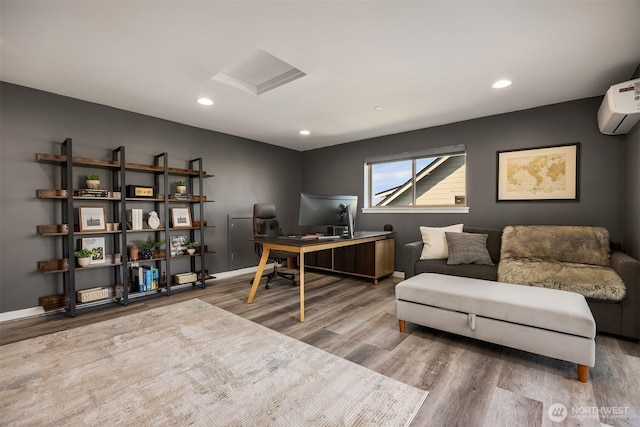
[
  {"x": 401, "y": 325},
  {"x": 583, "y": 373}
]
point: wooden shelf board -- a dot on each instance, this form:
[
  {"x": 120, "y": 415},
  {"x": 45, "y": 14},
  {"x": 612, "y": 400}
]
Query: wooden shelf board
[
  {"x": 77, "y": 161},
  {"x": 112, "y": 164},
  {"x": 139, "y": 260}
]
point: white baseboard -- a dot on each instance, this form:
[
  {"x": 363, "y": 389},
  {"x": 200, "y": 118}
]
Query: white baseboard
[
  {"x": 8, "y": 316},
  {"x": 21, "y": 314}
]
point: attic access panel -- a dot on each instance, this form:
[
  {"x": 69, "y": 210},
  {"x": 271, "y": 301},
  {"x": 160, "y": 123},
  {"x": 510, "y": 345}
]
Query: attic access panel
[{"x": 258, "y": 73}]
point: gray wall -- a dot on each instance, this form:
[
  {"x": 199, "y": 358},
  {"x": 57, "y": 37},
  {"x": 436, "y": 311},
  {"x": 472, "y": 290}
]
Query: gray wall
[
  {"x": 33, "y": 121},
  {"x": 248, "y": 172},
  {"x": 632, "y": 192},
  {"x": 339, "y": 169}
]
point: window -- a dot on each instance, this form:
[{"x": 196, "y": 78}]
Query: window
[{"x": 430, "y": 180}]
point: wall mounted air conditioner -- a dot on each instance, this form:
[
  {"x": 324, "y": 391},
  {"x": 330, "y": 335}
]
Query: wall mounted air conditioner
[{"x": 620, "y": 108}]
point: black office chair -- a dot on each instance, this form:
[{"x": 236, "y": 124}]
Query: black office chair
[{"x": 266, "y": 224}]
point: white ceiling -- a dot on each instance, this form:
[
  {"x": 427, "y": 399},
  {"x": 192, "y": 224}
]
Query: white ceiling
[{"x": 426, "y": 63}]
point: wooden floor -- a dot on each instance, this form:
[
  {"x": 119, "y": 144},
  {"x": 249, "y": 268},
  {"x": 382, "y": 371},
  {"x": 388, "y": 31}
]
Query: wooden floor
[{"x": 471, "y": 383}]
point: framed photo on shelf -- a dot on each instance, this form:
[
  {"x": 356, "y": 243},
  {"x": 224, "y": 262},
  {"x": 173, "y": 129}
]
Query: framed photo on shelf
[
  {"x": 97, "y": 244},
  {"x": 181, "y": 217},
  {"x": 178, "y": 245},
  {"x": 544, "y": 173},
  {"x": 92, "y": 218}
]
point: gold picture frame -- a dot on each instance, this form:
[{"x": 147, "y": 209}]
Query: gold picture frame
[
  {"x": 537, "y": 174},
  {"x": 92, "y": 218},
  {"x": 181, "y": 217}
]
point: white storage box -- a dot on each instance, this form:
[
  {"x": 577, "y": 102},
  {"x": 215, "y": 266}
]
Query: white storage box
[
  {"x": 92, "y": 294},
  {"x": 185, "y": 278}
]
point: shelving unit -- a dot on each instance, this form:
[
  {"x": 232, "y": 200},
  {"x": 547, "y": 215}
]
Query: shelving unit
[{"x": 120, "y": 234}]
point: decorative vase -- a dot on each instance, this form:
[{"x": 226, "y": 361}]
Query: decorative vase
[
  {"x": 181, "y": 189},
  {"x": 93, "y": 184},
  {"x": 191, "y": 251},
  {"x": 133, "y": 253},
  {"x": 83, "y": 262},
  {"x": 146, "y": 254}
]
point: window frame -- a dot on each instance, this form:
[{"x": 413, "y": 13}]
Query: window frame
[{"x": 433, "y": 152}]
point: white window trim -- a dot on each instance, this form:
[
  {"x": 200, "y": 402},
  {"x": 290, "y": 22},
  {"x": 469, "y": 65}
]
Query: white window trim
[
  {"x": 423, "y": 209},
  {"x": 450, "y": 210}
]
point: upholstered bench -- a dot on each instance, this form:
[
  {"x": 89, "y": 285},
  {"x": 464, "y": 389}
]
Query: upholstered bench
[{"x": 547, "y": 322}]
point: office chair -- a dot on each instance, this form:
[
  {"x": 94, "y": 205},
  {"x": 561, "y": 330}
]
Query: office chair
[{"x": 266, "y": 224}]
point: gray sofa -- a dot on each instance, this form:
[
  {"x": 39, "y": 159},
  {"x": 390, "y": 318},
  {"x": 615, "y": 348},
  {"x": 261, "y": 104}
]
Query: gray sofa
[{"x": 619, "y": 318}]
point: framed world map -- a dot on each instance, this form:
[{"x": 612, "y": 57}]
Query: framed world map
[{"x": 542, "y": 173}]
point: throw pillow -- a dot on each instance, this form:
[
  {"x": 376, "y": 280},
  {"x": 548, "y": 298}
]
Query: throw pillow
[
  {"x": 435, "y": 242},
  {"x": 468, "y": 248}
]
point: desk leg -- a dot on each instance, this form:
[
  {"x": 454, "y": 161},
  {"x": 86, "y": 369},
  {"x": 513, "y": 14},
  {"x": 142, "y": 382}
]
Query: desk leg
[
  {"x": 256, "y": 280},
  {"x": 301, "y": 287}
]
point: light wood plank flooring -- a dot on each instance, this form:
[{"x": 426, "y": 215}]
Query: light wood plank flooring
[{"x": 471, "y": 383}]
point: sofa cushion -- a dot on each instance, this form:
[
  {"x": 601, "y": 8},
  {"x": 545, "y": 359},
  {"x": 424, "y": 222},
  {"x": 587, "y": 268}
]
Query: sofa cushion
[
  {"x": 573, "y": 244},
  {"x": 478, "y": 271},
  {"x": 494, "y": 240},
  {"x": 435, "y": 242},
  {"x": 592, "y": 281},
  {"x": 468, "y": 248}
]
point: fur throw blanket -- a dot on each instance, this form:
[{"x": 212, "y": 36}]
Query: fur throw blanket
[
  {"x": 569, "y": 258},
  {"x": 581, "y": 245},
  {"x": 592, "y": 281}
]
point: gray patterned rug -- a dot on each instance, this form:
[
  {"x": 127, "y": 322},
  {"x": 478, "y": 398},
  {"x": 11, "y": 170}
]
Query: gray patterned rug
[{"x": 191, "y": 364}]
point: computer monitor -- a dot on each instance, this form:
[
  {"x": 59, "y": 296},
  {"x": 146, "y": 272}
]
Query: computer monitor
[{"x": 328, "y": 210}]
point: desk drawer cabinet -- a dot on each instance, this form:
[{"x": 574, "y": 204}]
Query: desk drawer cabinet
[{"x": 370, "y": 259}]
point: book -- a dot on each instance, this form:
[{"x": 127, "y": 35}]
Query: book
[
  {"x": 178, "y": 244},
  {"x": 89, "y": 192},
  {"x": 97, "y": 244},
  {"x": 134, "y": 219},
  {"x": 178, "y": 196}
]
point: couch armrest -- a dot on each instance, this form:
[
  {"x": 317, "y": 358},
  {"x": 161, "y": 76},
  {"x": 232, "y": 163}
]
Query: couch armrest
[
  {"x": 629, "y": 269},
  {"x": 411, "y": 255}
]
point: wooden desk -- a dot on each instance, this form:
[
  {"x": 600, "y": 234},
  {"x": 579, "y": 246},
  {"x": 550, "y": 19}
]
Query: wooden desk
[{"x": 303, "y": 247}]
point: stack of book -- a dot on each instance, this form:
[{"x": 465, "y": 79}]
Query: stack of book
[
  {"x": 89, "y": 192},
  {"x": 134, "y": 219},
  {"x": 145, "y": 278},
  {"x": 179, "y": 196}
]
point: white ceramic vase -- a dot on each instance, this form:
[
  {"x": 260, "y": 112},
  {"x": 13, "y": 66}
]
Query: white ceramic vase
[{"x": 83, "y": 262}]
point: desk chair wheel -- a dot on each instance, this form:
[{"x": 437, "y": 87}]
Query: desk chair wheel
[{"x": 294, "y": 283}]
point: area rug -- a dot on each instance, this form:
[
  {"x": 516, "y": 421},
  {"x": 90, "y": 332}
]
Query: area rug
[{"x": 191, "y": 363}]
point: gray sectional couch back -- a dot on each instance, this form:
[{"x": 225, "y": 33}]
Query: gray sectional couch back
[{"x": 619, "y": 318}]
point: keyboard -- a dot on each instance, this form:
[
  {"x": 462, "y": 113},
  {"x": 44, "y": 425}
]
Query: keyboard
[{"x": 328, "y": 237}]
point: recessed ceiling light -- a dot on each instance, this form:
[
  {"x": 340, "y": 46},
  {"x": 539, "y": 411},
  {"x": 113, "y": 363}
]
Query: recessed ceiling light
[
  {"x": 378, "y": 107},
  {"x": 305, "y": 132},
  {"x": 205, "y": 101},
  {"x": 501, "y": 84}
]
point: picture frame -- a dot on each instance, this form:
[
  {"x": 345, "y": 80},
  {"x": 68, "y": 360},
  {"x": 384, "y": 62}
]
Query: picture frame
[
  {"x": 178, "y": 244},
  {"x": 181, "y": 217},
  {"x": 97, "y": 244},
  {"x": 538, "y": 174},
  {"x": 92, "y": 218}
]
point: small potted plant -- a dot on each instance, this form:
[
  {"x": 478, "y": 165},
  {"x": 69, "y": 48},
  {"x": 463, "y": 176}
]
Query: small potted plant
[
  {"x": 84, "y": 256},
  {"x": 181, "y": 187},
  {"x": 93, "y": 181},
  {"x": 191, "y": 247},
  {"x": 146, "y": 247}
]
